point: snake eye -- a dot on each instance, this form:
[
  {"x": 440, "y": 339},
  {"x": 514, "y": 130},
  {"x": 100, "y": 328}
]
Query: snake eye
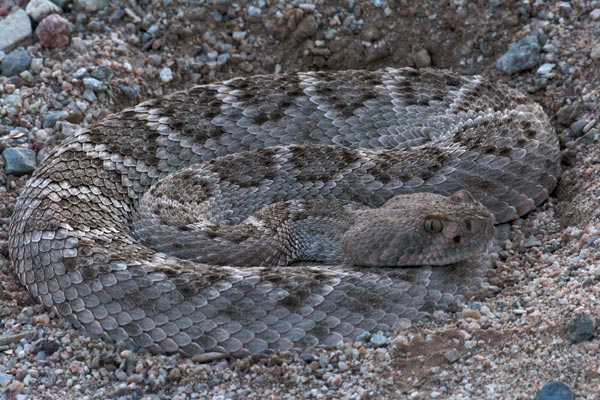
[{"x": 433, "y": 225}]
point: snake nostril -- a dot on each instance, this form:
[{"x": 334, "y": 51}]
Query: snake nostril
[{"x": 456, "y": 239}]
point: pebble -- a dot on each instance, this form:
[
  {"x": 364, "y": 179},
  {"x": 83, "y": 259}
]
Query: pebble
[
  {"x": 422, "y": 59},
  {"x": 166, "y": 75},
  {"x": 581, "y": 328},
  {"x": 15, "y": 62},
  {"x": 595, "y": 14},
  {"x": 90, "y": 5},
  {"x": 93, "y": 84},
  {"x": 5, "y": 379},
  {"x": 100, "y": 73},
  {"x": 89, "y": 95},
  {"x": 51, "y": 118},
  {"x": 451, "y": 356},
  {"x": 130, "y": 92},
  {"x": 555, "y": 391},
  {"x": 522, "y": 55},
  {"x": 15, "y": 28},
  {"x": 323, "y": 361},
  {"x": 577, "y": 127},
  {"x": 38, "y": 9},
  {"x": 595, "y": 53},
  {"x": 545, "y": 69},
  {"x": 18, "y": 160},
  {"x": 379, "y": 339},
  {"x": 53, "y": 31},
  {"x": 306, "y": 28},
  {"x": 531, "y": 242},
  {"x": 567, "y": 114}
]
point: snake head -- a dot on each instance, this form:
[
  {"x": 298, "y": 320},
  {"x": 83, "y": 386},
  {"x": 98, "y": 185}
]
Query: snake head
[{"x": 420, "y": 229}]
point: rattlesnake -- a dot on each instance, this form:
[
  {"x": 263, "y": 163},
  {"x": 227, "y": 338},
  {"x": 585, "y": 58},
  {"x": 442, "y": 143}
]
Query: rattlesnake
[{"x": 320, "y": 147}]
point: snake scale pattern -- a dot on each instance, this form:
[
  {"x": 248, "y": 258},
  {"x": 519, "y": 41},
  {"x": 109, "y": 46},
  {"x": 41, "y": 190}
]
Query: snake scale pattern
[{"x": 309, "y": 146}]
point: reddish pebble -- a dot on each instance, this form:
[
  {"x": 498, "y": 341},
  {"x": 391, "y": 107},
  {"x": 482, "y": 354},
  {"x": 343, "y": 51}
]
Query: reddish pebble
[{"x": 53, "y": 31}]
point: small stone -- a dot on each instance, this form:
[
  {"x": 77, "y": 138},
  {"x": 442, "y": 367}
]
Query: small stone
[
  {"x": 93, "y": 84},
  {"x": 451, "y": 356},
  {"x": 89, "y": 95},
  {"x": 53, "y": 31},
  {"x": 90, "y": 5},
  {"x": 370, "y": 34},
  {"x": 531, "y": 242},
  {"x": 116, "y": 16},
  {"x": 131, "y": 92},
  {"x": 595, "y": 14},
  {"x": 49, "y": 347},
  {"x": 100, "y": 73},
  {"x": 208, "y": 357},
  {"x": 238, "y": 35},
  {"x": 577, "y": 127},
  {"x": 53, "y": 116},
  {"x": 254, "y": 11},
  {"x": 39, "y": 9},
  {"x": 15, "y": 62},
  {"x": 379, "y": 339},
  {"x": 166, "y": 75},
  {"x": 595, "y": 53},
  {"x": 308, "y": 357},
  {"x": 545, "y": 69},
  {"x": 306, "y": 28},
  {"x": 18, "y": 160},
  {"x": 174, "y": 375},
  {"x": 567, "y": 114},
  {"x": 323, "y": 361},
  {"x": 474, "y": 314},
  {"x": 555, "y": 391},
  {"x": 15, "y": 28},
  {"x": 522, "y": 55},
  {"x": 135, "y": 378},
  {"x": 422, "y": 59},
  {"x": 5, "y": 379},
  {"x": 581, "y": 328}
]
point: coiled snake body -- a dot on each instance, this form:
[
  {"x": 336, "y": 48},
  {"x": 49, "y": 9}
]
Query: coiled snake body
[{"x": 121, "y": 228}]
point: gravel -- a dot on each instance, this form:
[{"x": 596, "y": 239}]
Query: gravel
[{"x": 509, "y": 341}]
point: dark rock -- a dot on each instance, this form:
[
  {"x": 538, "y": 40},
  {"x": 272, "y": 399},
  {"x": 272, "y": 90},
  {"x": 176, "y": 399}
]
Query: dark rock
[
  {"x": 19, "y": 161},
  {"x": 306, "y": 28},
  {"x": 567, "y": 114},
  {"x": 52, "y": 117},
  {"x": 116, "y": 16},
  {"x": 15, "y": 62},
  {"x": 555, "y": 391},
  {"x": 129, "y": 91},
  {"x": 581, "y": 327},
  {"x": 48, "y": 346},
  {"x": 577, "y": 127},
  {"x": 522, "y": 55},
  {"x": 100, "y": 73}
]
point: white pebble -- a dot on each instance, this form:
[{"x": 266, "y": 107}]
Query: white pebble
[{"x": 166, "y": 75}]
